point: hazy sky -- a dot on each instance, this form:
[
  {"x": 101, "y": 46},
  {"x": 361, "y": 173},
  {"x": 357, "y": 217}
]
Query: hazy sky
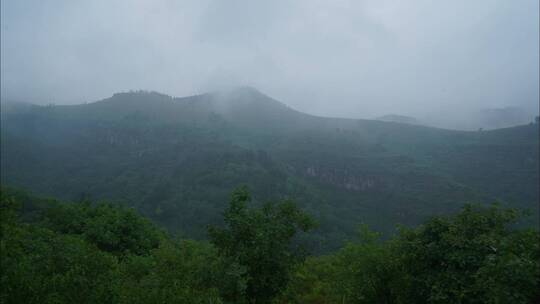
[{"x": 340, "y": 58}]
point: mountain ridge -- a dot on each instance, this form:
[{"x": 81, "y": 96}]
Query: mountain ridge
[
  {"x": 176, "y": 160},
  {"x": 222, "y": 102}
]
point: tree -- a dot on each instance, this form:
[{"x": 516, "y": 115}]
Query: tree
[
  {"x": 367, "y": 271},
  {"x": 38, "y": 265},
  {"x": 256, "y": 247},
  {"x": 364, "y": 271},
  {"x": 176, "y": 272},
  {"x": 473, "y": 257},
  {"x": 113, "y": 229}
]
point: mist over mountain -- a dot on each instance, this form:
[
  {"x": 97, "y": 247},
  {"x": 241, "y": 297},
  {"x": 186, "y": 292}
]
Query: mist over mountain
[
  {"x": 398, "y": 119},
  {"x": 496, "y": 118},
  {"x": 486, "y": 118},
  {"x": 176, "y": 159},
  {"x": 259, "y": 152}
]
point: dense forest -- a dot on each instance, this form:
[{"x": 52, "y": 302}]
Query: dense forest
[
  {"x": 175, "y": 160},
  {"x": 94, "y": 252}
]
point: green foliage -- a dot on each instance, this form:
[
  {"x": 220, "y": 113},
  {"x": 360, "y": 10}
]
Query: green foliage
[
  {"x": 40, "y": 266},
  {"x": 112, "y": 229},
  {"x": 313, "y": 281},
  {"x": 79, "y": 253},
  {"x": 362, "y": 272},
  {"x": 256, "y": 243},
  {"x": 84, "y": 253},
  {"x": 370, "y": 272},
  {"x": 180, "y": 272},
  {"x": 474, "y": 257}
]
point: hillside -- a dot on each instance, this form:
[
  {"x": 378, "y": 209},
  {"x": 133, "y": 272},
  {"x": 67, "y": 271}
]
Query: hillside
[{"x": 176, "y": 160}]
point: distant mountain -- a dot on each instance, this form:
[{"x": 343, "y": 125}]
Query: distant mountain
[
  {"x": 177, "y": 159},
  {"x": 486, "y": 119},
  {"x": 398, "y": 119},
  {"x": 496, "y": 118}
]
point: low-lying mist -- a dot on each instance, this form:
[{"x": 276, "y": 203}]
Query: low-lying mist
[{"x": 459, "y": 65}]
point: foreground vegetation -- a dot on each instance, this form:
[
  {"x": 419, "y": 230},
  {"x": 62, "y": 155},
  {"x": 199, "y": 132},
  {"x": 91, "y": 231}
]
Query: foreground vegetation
[{"x": 54, "y": 252}]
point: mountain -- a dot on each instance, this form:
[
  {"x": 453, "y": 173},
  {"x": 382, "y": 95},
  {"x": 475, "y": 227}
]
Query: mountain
[
  {"x": 503, "y": 117},
  {"x": 176, "y": 160},
  {"x": 483, "y": 119}
]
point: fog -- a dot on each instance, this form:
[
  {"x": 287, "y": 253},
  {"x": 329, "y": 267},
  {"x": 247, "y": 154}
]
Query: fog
[{"x": 438, "y": 61}]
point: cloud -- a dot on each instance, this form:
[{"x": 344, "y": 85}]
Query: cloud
[{"x": 339, "y": 58}]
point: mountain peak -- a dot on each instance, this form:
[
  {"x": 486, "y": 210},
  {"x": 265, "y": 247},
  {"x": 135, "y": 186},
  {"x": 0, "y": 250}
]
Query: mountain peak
[
  {"x": 244, "y": 92},
  {"x": 248, "y": 90},
  {"x": 139, "y": 94}
]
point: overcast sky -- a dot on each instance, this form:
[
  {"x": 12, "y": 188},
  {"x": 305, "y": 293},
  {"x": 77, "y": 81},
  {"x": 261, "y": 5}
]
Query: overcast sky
[{"x": 339, "y": 58}]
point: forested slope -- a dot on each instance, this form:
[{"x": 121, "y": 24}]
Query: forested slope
[{"x": 176, "y": 159}]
